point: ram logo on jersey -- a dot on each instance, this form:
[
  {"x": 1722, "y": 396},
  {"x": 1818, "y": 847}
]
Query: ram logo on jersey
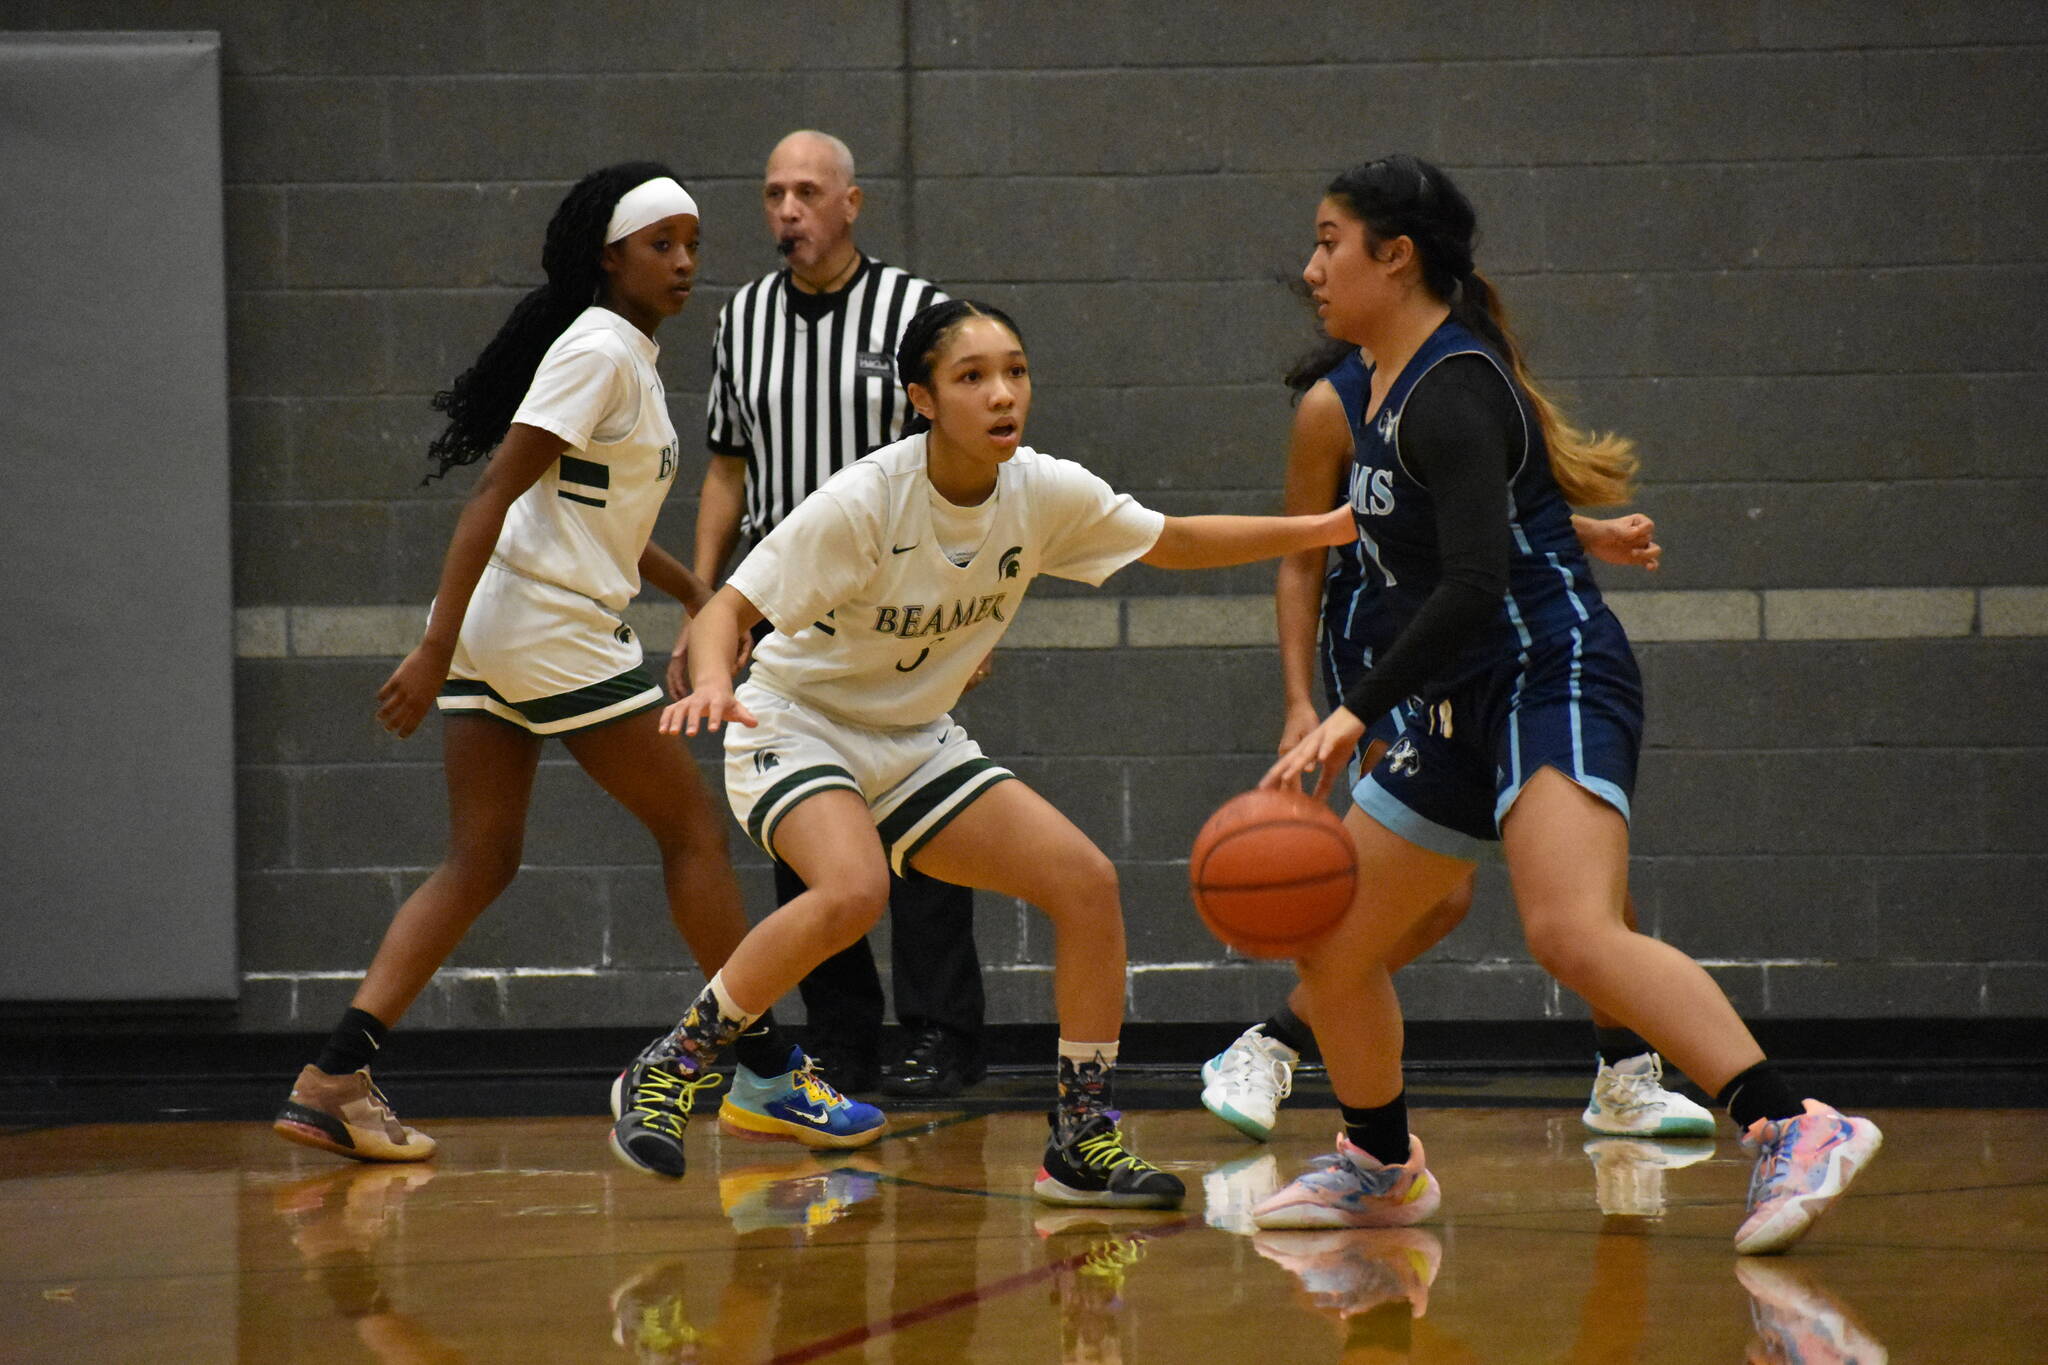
[
  {"x": 915, "y": 619},
  {"x": 1373, "y": 496},
  {"x": 1388, "y": 421},
  {"x": 1403, "y": 758}
]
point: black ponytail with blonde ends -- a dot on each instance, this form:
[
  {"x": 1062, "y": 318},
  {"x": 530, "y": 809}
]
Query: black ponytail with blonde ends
[
  {"x": 481, "y": 401},
  {"x": 1404, "y": 196}
]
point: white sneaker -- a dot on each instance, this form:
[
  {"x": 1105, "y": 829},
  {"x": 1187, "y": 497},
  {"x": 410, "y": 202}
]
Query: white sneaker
[
  {"x": 1233, "y": 1190},
  {"x": 1628, "y": 1173},
  {"x": 1244, "y": 1084},
  {"x": 1629, "y": 1100}
]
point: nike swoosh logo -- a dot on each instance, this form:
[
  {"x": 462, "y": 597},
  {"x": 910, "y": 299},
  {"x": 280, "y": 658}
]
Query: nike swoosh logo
[
  {"x": 905, "y": 549},
  {"x": 819, "y": 1116}
]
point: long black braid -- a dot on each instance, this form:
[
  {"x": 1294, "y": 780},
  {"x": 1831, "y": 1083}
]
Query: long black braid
[{"x": 483, "y": 397}]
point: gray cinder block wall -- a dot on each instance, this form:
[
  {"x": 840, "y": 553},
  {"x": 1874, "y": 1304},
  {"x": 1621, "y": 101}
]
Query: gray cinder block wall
[{"x": 1797, "y": 250}]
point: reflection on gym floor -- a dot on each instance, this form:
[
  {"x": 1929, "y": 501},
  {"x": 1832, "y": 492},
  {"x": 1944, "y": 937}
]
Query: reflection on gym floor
[{"x": 523, "y": 1240}]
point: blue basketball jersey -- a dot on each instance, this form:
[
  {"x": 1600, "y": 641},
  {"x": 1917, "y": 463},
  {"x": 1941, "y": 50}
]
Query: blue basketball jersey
[
  {"x": 1352, "y": 623},
  {"x": 1550, "y": 587}
]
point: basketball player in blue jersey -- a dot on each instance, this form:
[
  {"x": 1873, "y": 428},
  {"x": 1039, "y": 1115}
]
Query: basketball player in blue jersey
[
  {"x": 1244, "y": 1084},
  {"x": 524, "y": 643},
  {"x": 1527, "y": 725}
]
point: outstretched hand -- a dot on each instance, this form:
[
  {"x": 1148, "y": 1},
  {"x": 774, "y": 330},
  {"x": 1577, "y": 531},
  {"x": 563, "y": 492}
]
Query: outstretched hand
[
  {"x": 1338, "y": 526},
  {"x": 1324, "y": 751},
  {"x": 707, "y": 707},
  {"x": 1628, "y": 541}
]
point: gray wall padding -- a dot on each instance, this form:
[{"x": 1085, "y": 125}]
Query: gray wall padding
[{"x": 117, "y": 863}]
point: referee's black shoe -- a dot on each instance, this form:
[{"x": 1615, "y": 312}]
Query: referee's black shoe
[{"x": 938, "y": 1064}]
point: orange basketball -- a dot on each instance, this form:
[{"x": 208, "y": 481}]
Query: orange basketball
[{"x": 1272, "y": 872}]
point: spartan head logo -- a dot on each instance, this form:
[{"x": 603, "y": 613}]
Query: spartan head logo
[
  {"x": 1403, "y": 758},
  {"x": 1008, "y": 563},
  {"x": 624, "y": 634}
]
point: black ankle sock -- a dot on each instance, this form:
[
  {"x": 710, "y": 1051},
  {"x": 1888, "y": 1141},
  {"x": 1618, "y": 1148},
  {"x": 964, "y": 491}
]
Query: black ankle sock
[
  {"x": 1381, "y": 1131},
  {"x": 1759, "y": 1093},
  {"x": 762, "y": 1049},
  {"x": 1288, "y": 1027},
  {"x": 355, "y": 1041},
  {"x": 1618, "y": 1044}
]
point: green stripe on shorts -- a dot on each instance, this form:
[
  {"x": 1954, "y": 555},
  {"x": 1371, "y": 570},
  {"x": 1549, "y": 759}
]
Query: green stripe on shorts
[
  {"x": 757, "y": 827},
  {"x": 929, "y": 798},
  {"x": 548, "y": 715}
]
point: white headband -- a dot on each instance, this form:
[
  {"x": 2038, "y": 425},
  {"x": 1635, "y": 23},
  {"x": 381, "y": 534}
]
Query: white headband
[{"x": 648, "y": 202}]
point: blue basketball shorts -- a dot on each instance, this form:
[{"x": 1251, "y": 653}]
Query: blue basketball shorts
[{"x": 1573, "y": 702}]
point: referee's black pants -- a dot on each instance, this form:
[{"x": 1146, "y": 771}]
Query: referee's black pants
[{"x": 932, "y": 960}]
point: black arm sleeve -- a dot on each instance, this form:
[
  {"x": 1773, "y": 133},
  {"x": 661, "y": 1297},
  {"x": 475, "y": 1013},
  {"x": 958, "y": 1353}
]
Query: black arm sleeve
[{"x": 1460, "y": 435}]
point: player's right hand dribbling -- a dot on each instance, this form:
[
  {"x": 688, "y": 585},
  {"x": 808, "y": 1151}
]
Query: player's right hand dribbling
[{"x": 708, "y": 708}]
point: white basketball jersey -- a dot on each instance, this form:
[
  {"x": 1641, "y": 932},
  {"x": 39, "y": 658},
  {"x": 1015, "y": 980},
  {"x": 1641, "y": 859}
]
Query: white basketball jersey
[
  {"x": 584, "y": 523},
  {"x": 875, "y": 625}
]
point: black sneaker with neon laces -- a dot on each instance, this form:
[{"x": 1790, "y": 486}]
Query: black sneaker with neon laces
[
  {"x": 1094, "y": 1168},
  {"x": 651, "y": 1102}
]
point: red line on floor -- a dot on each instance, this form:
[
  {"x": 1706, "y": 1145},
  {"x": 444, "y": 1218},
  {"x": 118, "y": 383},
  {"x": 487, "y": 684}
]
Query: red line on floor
[{"x": 966, "y": 1298}]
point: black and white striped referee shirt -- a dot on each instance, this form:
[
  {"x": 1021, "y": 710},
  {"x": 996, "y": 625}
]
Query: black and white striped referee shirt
[{"x": 803, "y": 385}]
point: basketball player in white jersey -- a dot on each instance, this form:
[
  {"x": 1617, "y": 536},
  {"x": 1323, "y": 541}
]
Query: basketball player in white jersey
[
  {"x": 524, "y": 641},
  {"x": 887, "y": 588}
]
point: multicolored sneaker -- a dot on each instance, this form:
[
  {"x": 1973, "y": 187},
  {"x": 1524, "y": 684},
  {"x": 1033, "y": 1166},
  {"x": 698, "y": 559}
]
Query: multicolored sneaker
[
  {"x": 1244, "y": 1084},
  {"x": 651, "y": 1103},
  {"x": 795, "y": 1194},
  {"x": 1350, "y": 1271},
  {"x": 1351, "y": 1190},
  {"x": 797, "y": 1106},
  {"x": 1803, "y": 1165},
  {"x": 1628, "y": 1173},
  {"x": 349, "y": 1116},
  {"x": 1093, "y": 1168},
  {"x": 1629, "y": 1100},
  {"x": 1797, "y": 1320}
]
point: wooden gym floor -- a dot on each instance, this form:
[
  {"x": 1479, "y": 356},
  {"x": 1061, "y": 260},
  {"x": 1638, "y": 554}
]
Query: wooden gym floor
[{"x": 525, "y": 1241}]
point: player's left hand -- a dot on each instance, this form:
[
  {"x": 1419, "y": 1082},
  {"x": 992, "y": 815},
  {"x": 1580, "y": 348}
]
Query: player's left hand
[
  {"x": 1628, "y": 541},
  {"x": 1324, "y": 751}
]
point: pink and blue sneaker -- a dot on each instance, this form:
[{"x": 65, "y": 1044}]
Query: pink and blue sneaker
[
  {"x": 1352, "y": 1190},
  {"x": 1803, "y": 1165},
  {"x": 797, "y": 1106}
]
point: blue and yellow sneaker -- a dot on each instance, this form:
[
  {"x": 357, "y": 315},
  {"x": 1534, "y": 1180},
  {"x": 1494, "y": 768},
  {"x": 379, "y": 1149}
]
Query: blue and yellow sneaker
[
  {"x": 796, "y": 1194},
  {"x": 797, "y": 1106}
]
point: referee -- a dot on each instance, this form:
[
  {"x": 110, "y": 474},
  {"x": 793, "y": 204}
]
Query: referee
[{"x": 803, "y": 384}]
